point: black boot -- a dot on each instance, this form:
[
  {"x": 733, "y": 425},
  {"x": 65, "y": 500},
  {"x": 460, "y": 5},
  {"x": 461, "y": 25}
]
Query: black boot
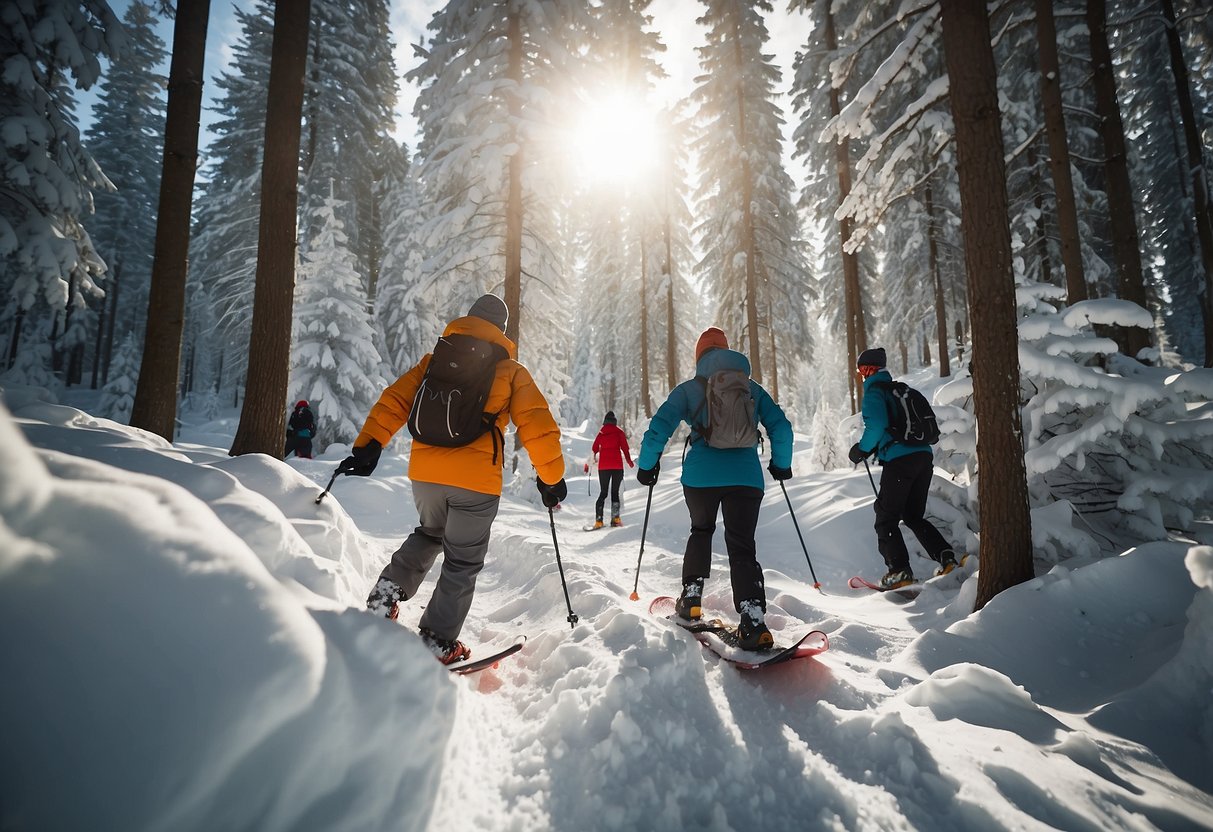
[
  {"x": 385, "y": 599},
  {"x": 690, "y": 603},
  {"x": 752, "y": 631}
]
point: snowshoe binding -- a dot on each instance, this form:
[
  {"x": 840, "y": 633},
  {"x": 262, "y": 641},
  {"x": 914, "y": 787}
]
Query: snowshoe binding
[{"x": 689, "y": 606}]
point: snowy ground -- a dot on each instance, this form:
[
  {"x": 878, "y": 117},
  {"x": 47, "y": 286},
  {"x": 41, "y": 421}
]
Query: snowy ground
[{"x": 183, "y": 649}]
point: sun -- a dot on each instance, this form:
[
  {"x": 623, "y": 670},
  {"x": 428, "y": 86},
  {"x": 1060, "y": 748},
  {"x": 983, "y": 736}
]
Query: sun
[{"x": 614, "y": 142}]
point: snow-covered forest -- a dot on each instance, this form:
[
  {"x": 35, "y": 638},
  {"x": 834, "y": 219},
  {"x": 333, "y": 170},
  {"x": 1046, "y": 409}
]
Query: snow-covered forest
[{"x": 1011, "y": 198}]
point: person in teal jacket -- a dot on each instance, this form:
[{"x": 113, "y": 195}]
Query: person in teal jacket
[
  {"x": 904, "y": 482},
  {"x": 720, "y": 480}
]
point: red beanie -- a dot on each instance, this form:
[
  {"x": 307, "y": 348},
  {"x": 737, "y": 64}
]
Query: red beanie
[{"x": 712, "y": 338}]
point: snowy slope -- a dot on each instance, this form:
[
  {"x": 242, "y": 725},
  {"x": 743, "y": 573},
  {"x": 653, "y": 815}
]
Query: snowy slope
[{"x": 184, "y": 650}]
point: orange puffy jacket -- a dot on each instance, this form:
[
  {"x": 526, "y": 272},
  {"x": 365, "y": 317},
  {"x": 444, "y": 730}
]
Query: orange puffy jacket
[{"x": 513, "y": 396}]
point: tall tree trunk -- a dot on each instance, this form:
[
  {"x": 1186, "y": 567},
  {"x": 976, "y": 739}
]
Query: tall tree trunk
[
  {"x": 110, "y": 327},
  {"x": 905, "y": 356},
  {"x": 513, "y": 207},
  {"x": 1125, "y": 241},
  {"x": 747, "y": 224},
  {"x": 1196, "y": 167},
  {"x": 960, "y": 343},
  {"x": 263, "y": 416},
  {"x": 857, "y": 336},
  {"x": 155, "y": 405},
  {"x": 107, "y": 311},
  {"x": 1002, "y": 491},
  {"x": 941, "y": 308},
  {"x": 671, "y": 339},
  {"x": 644, "y": 329},
  {"x": 1059, "y": 152},
  {"x": 1042, "y": 227},
  {"x": 926, "y": 347},
  {"x": 15, "y": 339}
]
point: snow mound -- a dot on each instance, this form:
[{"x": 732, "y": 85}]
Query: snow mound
[{"x": 175, "y": 683}]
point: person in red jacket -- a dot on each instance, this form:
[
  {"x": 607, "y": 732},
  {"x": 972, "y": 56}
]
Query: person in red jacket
[{"x": 611, "y": 446}]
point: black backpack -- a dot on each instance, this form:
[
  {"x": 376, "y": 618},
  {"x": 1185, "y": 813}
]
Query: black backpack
[
  {"x": 448, "y": 410},
  {"x": 911, "y": 419}
]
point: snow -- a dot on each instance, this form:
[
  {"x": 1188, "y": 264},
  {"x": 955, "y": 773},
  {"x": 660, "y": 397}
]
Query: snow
[{"x": 185, "y": 649}]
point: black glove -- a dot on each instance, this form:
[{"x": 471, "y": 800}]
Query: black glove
[
  {"x": 552, "y": 495},
  {"x": 857, "y": 454},
  {"x": 648, "y": 476},
  {"x": 361, "y": 461},
  {"x": 779, "y": 473}
]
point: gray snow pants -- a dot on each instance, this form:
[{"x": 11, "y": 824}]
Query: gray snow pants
[{"x": 456, "y": 522}]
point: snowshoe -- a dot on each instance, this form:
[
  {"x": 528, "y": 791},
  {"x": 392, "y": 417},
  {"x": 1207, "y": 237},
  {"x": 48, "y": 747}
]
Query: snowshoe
[
  {"x": 897, "y": 578},
  {"x": 447, "y": 652},
  {"x": 752, "y": 631}
]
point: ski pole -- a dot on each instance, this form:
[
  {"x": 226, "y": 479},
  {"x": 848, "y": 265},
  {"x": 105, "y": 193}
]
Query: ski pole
[
  {"x": 648, "y": 504},
  {"x": 572, "y": 619},
  {"x": 587, "y": 479},
  {"x": 791, "y": 511},
  {"x": 874, "y": 491},
  {"x": 329, "y": 487}
]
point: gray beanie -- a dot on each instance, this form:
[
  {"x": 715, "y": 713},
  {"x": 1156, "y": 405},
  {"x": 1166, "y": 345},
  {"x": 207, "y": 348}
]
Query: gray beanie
[{"x": 492, "y": 309}]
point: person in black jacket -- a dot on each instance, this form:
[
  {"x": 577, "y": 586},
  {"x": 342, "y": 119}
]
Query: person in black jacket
[{"x": 301, "y": 427}]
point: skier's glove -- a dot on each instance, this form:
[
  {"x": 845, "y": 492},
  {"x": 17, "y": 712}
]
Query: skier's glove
[
  {"x": 857, "y": 454},
  {"x": 648, "y": 476},
  {"x": 361, "y": 461},
  {"x": 552, "y": 495},
  {"x": 779, "y": 473}
]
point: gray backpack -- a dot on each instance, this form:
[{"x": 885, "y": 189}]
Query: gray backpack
[{"x": 729, "y": 402}]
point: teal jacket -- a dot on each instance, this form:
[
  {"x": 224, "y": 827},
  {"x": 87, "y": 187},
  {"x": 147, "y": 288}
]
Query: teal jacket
[
  {"x": 707, "y": 467},
  {"x": 876, "y": 423}
]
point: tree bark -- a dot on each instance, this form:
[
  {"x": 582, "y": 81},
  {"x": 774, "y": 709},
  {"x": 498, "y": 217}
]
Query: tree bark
[
  {"x": 513, "y": 208},
  {"x": 671, "y": 340},
  {"x": 263, "y": 416},
  {"x": 110, "y": 327},
  {"x": 1042, "y": 227},
  {"x": 1059, "y": 152},
  {"x": 941, "y": 307},
  {"x": 857, "y": 336},
  {"x": 747, "y": 223},
  {"x": 644, "y": 330},
  {"x": 155, "y": 405},
  {"x": 1006, "y": 531},
  {"x": 1125, "y": 241},
  {"x": 1196, "y": 167}
]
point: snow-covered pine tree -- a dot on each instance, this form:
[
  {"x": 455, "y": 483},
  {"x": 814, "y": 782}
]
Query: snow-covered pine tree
[
  {"x": 1170, "y": 247},
  {"x": 126, "y": 139},
  {"x": 224, "y": 246},
  {"x": 349, "y": 114},
  {"x": 407, "y": 325},
  {"x": 753, "y": 264},
  {"x": 118, "y": 394},
  {"x": 46, "y": 174},
  {"x": 334, "y": 363},
  {"x": 486, "y": 80},
  {"x": 1126, "y": 450},
  {"x": 818, "y": 93}
]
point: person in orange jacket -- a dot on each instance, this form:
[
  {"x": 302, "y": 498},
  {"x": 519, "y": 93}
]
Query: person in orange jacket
[
  {"x": 611, "y": 447},
  {"x": 457, "y": 489}
]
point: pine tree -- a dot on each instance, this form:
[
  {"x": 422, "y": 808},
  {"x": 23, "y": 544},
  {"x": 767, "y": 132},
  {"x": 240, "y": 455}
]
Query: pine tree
[
  {"x": 486, "y": 79},
  {"x": 127, "y": 138},
  {"x": 749, "y": 228},
  {"x": 118, "y": 394},
  {"x": 46, "y": 175},
  {"x": 349, "y": 105},
  {"x": 224, "y": 250},
  {"x": 334, "y": 363}
]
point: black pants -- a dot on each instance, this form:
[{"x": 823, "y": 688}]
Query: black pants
[
  {"x": 740, "y": 505},
  {"x": 611, "y": 478},
  {"x": 904, "y": 484},
  {"x": 301, "y": 445}
]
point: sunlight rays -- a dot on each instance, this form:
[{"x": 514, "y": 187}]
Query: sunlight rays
[{"x": 614, "y": 142}]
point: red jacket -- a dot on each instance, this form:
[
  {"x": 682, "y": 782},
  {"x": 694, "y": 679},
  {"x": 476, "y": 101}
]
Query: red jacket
[{"x": 611, "y": 445}]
